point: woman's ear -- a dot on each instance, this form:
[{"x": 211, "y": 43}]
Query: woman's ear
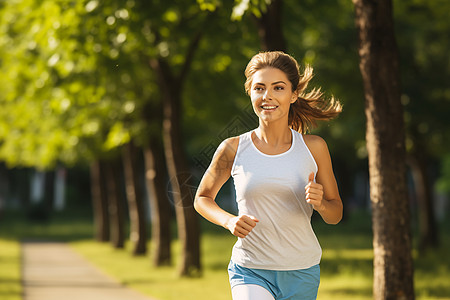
[{"x": 294, "y": 97}]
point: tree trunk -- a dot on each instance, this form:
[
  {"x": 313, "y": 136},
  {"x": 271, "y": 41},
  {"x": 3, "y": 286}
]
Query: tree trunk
[
  {"x": 99, "y": 202},
  {"x": 132, "y": 162},
  {"x": 181, "y": 189},
  {"x": 23, "y": 184},
  {"x": 49, "y": 190},
  {"x": 428, "y": 231},
  {"x": 59, "y": 204},
  {"x": 116, "y": 202},
  {"x": 385, "y": 137},
  {"x": 159, "y": 203},
  {"x": 4, "y": 187},
  {"x": 182, "y": 193},
  {"x": 270, "y": 28}
]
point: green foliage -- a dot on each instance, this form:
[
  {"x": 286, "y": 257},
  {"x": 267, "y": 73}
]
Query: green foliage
[
  {"x": 240, "y": 8},
  {"x": 422, "y": 29},
  {"x": 80, "y": 75},
  {"x": 323, "y": 34},
  {"x": 54, "y": 102},
  {"x": 79, "y": 84},
  {"x": 256, "y": 7},
  {"x": 209, "y": 5},
  {"x": 214, "y": 94}
]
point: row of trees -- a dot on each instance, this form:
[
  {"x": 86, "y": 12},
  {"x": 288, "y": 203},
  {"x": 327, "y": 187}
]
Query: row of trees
[
  {"x": 135, "y": 87},
  {"x": 102, "y": 84}
]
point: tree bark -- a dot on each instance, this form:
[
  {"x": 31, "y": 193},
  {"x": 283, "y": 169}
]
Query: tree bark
[
  {"x": 156, "y": 181},
  {"x": 23, "y": 183},
  {"x": 116, "y": 202},
  {"x": 270, "y": 29},
  {"x": 428, "y": 231},
  {"x": 159, "y": 203},
  {"x": 4, "y": 187},
  {"x": 183, "y": 196},
  {"x": 385, "y": 137},
  {"x": 49, "y": 190},
  {"x": 134, "y": 183},
  {"x": 99, "y": 202},
  {"x": 181, "y": 189}
]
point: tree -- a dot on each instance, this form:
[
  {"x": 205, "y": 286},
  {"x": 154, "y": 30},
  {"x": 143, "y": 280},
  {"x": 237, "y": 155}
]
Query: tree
[
  {"x": 268, "y": 18},
  {"x": 155, "y": 175},
  {"x": 424, "y": 49},
  {"x": 93, "y": 79},
  {"x": 379, "y": 65},
  {"x": 78, "y": 112},
  {"x": 270, "y": 27},
  {"x": 188, "y": 230},
  {"x": 135, "y": 189},
  {"x": 100, "y": 202},
  {"x": 116, "y": 201},
  {"x": 171, "y": 72}
]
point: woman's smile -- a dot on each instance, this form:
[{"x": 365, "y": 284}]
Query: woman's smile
[{"x": 269, "y": 107}]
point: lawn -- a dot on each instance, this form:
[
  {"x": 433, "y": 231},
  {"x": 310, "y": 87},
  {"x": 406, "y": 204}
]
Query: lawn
[
  {"x": 346, "y": 268},
  {"x": 10, "y": 288}
]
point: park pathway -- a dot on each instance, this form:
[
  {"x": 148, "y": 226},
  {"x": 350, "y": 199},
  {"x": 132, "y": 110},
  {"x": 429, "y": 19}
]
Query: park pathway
[{"x": 53, "y": 271}]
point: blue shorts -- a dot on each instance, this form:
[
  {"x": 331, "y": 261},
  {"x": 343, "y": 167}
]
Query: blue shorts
[{"x": 297, "y": 284}]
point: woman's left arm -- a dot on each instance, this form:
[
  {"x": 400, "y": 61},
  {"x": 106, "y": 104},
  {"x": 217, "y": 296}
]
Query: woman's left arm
[{"x": 323, "y": 194}]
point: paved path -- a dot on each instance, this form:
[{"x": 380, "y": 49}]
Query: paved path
[{"x": 53, "y": 271}]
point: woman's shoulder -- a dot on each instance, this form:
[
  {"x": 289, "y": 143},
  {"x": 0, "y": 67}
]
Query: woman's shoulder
[
  {"x": 225, "y": 154},
  {"x": 314, "y": 140},
  {"x": 231, "y": 143},
  {"x": 316, "y": 144},
  {"x": 228, "y": 147}
]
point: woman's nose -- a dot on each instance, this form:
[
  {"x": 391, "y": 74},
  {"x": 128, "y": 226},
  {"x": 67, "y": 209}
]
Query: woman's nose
[{"x": 267, "y": 95}]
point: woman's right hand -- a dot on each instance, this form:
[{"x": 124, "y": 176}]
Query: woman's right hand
[{"x": 241, "y": 226}]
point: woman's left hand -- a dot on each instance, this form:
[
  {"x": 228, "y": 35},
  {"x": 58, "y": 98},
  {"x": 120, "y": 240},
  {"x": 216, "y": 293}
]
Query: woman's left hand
[{"x": 314, "y": 193}]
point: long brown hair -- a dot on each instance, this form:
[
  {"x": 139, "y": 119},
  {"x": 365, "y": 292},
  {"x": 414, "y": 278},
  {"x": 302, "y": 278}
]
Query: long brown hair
[{"x": 309, "y": 107}]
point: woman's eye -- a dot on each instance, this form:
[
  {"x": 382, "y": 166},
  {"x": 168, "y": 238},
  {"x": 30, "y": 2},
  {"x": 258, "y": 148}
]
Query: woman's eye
[
  {"x": 279, "y": 88},
  {"x": 258, "y": 88}
]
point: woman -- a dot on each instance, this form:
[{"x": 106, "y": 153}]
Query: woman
[{"x": 280, "y": 176}]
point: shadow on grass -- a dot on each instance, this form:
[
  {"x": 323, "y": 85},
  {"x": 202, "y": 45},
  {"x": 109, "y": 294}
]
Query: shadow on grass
[
  {"x": 4, "y": 280},
  {"x": 64, "y": 227},
  {"x": 440, "y": 292},
  {"x": 9, "y": 294},
  {"x": 338, "y": 265},
  {"x": 355, "y": 291},
  {"x": 218, "y": 266},
  {"x": 137, "y": 282},
  {"x": 10, "y": 288}
]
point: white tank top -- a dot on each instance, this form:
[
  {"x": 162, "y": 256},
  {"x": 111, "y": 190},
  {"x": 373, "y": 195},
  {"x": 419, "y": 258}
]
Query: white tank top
[{"x": 272, "y": 188}]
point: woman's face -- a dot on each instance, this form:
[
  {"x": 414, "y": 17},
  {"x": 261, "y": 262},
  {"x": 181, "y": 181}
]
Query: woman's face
[{"x": 271, "y": 94}]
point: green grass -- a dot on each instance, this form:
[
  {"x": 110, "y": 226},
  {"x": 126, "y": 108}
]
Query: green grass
[
  {"x": 346, "y": 268},
  {"x": 10, "y": 286},
  {"x": 65, "y": 226}
]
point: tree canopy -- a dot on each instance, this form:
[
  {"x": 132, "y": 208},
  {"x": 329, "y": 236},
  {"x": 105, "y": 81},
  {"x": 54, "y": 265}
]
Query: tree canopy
[{"x": 76, "y": 77}]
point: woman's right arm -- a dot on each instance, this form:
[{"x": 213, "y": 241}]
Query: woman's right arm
[{"x": 214, "y": 178}]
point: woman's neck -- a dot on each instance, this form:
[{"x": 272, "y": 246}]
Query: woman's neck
[{"x": 274, "y": 134}]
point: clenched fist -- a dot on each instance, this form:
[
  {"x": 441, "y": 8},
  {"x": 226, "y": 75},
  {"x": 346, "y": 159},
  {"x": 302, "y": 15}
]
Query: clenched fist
[
  {"x": 314, "y": 193},
  {"x": 241, "y": 226}
]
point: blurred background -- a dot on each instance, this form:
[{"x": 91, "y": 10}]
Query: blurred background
[{"x": 110, "y": 112}]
